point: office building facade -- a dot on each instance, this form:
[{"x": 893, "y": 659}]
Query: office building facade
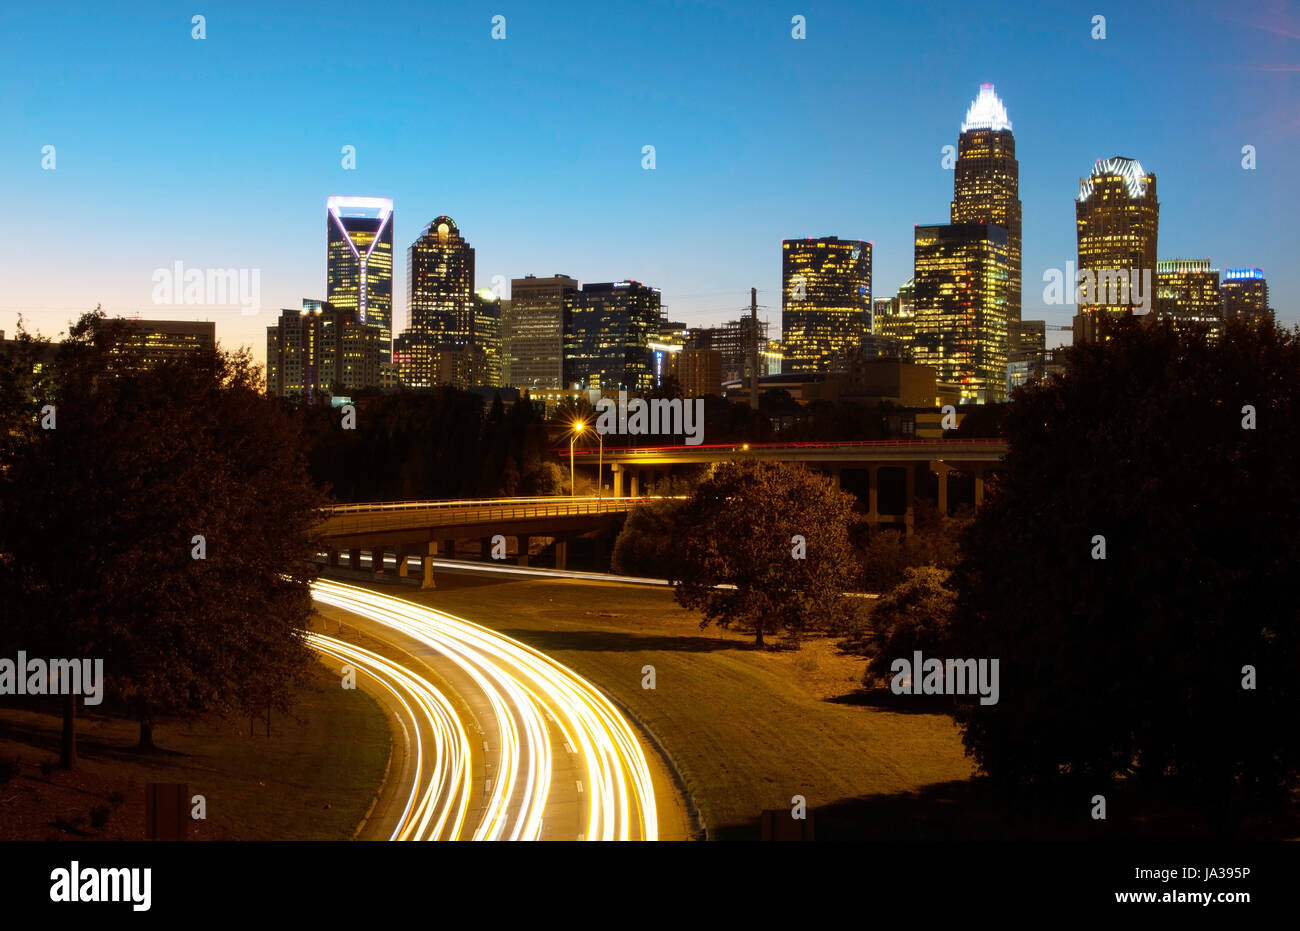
[
  {"x": 825, "y": 300},
  {"x": 533, "y": 328},
  {"x": 321, "y": 350},
  {"x": 961, "y": 278},
  {"x": 1187, "y": 291},
  {"x": 608, "y": 329},
  {"x": 1244, "y": 292}
]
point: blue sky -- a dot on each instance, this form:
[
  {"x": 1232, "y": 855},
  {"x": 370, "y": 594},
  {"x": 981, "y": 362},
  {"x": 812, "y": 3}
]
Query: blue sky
[{"x": 221, "y": 152}]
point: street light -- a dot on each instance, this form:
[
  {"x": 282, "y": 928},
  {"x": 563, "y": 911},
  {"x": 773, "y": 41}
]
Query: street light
[{"x": 578, "y": 427}]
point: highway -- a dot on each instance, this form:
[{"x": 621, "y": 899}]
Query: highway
[{"x": 500, "y": 741}]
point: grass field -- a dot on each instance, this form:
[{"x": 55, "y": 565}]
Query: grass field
[
  {"x": 747, "y": 729},
  {"x": 313, "y": 779}
]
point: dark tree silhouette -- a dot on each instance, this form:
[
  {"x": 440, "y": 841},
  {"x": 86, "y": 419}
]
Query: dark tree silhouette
[
  {"x": 1131, "y": 666},
  {"x": 101, "y": 520}
]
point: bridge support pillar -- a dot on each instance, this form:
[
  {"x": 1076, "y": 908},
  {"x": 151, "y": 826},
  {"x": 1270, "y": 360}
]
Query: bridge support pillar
[
  {"x": 942, "y": 469},
  {"x": 354, "y": 559},
  {"x": 873, "y": 496},
  {"x": 332, "y": 559},
  {"x": 427, "y": 581},
  {"x": 448, "y": 549},
  {"x": 615, "y": 480},
  {"x": 403, "y": 564},
  {"x": 561, "y": 554},
  {"x": 636, "y": 483},
  {"x": 485, "y": 549},
  {"x": 909, "y": 517},
  {"x": 522, "y": 543}
]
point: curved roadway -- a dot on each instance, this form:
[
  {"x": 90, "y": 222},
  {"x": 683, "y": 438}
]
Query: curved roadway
[{"x": 550, "y": 756}]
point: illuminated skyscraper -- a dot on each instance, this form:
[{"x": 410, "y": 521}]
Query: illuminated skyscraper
[
  {"x": 534, "y": 328},
  {"x": 608, "y": 329},
  {"x": 440, "y": 283},
  {"x": 1117, "y": 218},
  {"x": 961, "y": 279},
  {"x": 825, "y": 301},
  {"x": 485, "y": 335},
  {"x": 359, "y": 261},
  {"x": 1187, "y": 290},
  {"x": 986, "y": 180},
  {"x": 454, "y": 334},
  {"x": 1245, "y": 293}
]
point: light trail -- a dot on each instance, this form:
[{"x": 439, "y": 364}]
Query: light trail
[
  {"x": 446, "y": 791},
  {"x": 523, "y": 687}
]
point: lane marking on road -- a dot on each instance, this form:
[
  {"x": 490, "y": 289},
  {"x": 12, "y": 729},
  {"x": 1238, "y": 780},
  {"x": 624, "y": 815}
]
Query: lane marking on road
[{"x": 579, "y": 786}]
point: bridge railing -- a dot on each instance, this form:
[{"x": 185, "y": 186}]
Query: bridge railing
[
  {"x": 368, "y": 506},
  {"x": 614, "y": 451},
  {"x": 407, "y": 514}
]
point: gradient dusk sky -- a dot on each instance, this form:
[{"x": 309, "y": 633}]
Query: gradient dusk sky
[{"x": 221, "y": 152}]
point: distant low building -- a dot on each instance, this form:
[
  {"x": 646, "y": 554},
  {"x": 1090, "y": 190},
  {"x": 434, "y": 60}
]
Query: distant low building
[
  {"x": 699, "y": 371},
  {"x": 322, "y": 350}
]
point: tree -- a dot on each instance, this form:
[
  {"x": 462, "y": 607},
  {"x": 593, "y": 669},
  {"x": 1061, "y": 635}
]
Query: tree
[
  {"x": 913, "y": 615},
  {"x": 1175, "y": 459},
  {"x": 164, "y": 526},
  {"x": 645, "y": 544},
  {"x": 779, "y": 535}
]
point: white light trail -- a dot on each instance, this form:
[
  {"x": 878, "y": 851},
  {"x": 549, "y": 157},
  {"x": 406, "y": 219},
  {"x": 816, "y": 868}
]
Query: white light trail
[{"x": 523, "y": 687}]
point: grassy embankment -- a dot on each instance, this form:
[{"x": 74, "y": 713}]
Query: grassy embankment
[{"x": 313, "y": 779}]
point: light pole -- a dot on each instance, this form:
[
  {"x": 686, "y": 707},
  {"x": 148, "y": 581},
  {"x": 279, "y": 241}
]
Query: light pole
[{"x": 577, "y": 429}]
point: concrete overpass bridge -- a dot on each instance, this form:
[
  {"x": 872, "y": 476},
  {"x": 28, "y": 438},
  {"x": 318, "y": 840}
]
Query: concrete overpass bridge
[
  {"x": 426, "y": 529},
  {"x": 635, "y": 467}
]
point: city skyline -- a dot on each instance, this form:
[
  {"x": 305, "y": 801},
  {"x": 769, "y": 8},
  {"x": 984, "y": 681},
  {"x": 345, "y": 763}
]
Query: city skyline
[{"x": 703, "y": 226}]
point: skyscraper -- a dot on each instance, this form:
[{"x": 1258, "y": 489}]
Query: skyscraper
[
  {"x": 986, "y": 180},
  {"x": 1245, "y": 293},
  {"x": 534, "y": 330},
  {"x": 825, "y": 301},
  {"x": 439, "y": 344},
  {"x": 961, "y": 279},
  {"x": 1187, "y": 290},
  {"x": 608, "y": 329},
  {"x": 1117, "y": 218},
  {"x": 359, "y": 261},
  {"x": 440, "y": 283}
]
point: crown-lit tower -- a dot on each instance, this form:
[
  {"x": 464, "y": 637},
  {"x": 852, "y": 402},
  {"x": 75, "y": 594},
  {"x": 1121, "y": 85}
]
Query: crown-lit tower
[
  {"x": 986, "y": 181},
  {"x": 359, "y": 262}
]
